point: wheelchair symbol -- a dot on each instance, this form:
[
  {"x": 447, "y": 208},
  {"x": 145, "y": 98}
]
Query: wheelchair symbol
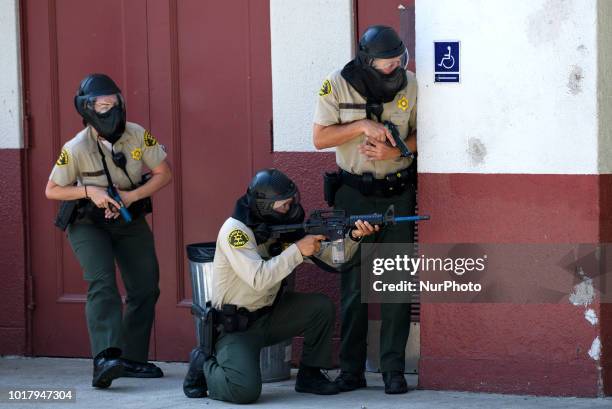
[{"x": 448, "y": 61}]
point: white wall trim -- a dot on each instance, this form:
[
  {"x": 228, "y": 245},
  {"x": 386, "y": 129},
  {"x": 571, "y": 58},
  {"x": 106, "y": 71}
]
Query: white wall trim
[{"x": 11, "y": 124}]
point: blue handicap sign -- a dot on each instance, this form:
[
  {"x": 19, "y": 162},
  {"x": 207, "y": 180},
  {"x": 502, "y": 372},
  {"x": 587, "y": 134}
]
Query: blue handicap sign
[{"x": 446, "y": 61}]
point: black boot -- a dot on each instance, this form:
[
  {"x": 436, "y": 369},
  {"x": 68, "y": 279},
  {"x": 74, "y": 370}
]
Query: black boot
[
  {"x": 133, "y": 369},
  {"x": 348, "y": 381},
  {"x": 311, "y": 380},
  {"x": 395, "y": 382},
  {"x": 194, "y": 385},
  {"x": 107, "y": 366}
]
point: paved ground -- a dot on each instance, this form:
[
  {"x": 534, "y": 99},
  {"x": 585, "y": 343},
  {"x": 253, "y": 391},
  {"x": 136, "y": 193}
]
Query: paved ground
[{"x": 24, "y": 373}]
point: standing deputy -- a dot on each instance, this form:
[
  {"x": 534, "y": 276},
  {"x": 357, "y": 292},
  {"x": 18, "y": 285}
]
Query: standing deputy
[
  {"x": 353, "y": 104},
  {"x": 249, "y": 267},
  {"x": 111, "y": 151}
]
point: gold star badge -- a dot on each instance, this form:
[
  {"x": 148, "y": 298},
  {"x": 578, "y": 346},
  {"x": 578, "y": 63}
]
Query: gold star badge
[
  {"x": 137, "y": 154},
  {"x": 402, "y": 103}
]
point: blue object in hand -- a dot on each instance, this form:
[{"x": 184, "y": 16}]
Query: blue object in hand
[{"x": 125, "y": 213}]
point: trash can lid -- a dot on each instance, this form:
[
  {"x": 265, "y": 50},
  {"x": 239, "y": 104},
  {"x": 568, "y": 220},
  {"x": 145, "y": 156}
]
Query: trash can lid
[{"x": 201, "y": 252}]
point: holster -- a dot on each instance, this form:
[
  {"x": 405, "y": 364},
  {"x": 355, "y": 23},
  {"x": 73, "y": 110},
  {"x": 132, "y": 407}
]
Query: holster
[
  {"x": 141, "y": 207},
  {"x": 146, "y": 204},
  {"x": 332, "y": 181},
  {"x": 66, "y": 214},
  {"x": 366, "y": 185},
  {"x": 208, "y": 330}
]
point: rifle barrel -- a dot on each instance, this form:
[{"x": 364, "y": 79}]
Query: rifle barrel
[{"x": 403, "y": 219}]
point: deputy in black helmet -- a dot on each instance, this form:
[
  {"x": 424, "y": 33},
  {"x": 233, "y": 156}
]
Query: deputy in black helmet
[
  {"x": 267, "y": 190},
  {"x": 109, "y": 117},
  {"x": 248, "y": 270},
  {"x": 378, "y": 72},
  {"x": 104, "y": 230},
  {"x": 356, "y": 110}
]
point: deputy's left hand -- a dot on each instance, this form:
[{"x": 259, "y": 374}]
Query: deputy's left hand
[
  {"x": 111, "y": 213},
  {"x": 375, "y": 150},
  {"x": 127, "y": 197},
  {"x": 363, "y": 229}
]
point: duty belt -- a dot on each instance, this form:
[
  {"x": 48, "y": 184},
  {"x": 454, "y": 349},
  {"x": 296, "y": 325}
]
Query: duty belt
[
  {"x": 236, "y": 319},
  {"x": 214, "y": 321},
  {"x": 86, "y": 209},
  {"x": 392, "y": 184}
]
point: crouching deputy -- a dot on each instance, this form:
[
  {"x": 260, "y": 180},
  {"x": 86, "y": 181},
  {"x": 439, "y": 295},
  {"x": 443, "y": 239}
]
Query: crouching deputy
[
  {"x": 98, "y": 176},
  {"x": 250, "y": 310}
]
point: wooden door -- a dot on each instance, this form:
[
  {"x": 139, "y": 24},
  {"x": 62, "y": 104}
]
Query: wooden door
[{"x": 197, "y": 74}]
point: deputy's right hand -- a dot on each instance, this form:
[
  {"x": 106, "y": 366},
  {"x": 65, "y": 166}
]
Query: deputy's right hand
[
  {"x": 310, "y": 244},
  {"x": 100, "y": 197},
  {"x": 376, "y": 130}
]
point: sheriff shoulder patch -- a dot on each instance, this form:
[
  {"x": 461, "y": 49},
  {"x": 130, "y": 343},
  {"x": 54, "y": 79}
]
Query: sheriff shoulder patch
[
  {"x": 137, "y": 154},
  {"x": 402, "y": 103},
  {"x": 149, "y": 139},
  {"x": 237, "y": 238},
  {"x": 326, "y": 88},
  {"x": 63, "y": 159}
]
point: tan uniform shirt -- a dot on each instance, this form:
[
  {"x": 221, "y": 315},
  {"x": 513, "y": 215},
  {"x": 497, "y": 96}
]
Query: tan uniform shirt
[
  {"x": 243, "y": 273},
  {"x": 80, "y": 160},
  {"x": 340, "y": 103}
]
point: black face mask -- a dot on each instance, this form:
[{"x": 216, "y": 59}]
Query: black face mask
[
  {"x": 294, "y": 215},
  {"x": 373, "y": 85},
  {"x": 110, "y": 125}
]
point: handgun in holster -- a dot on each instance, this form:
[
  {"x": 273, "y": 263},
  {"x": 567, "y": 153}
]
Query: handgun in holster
[
  {"x": 208, "y": 331},
  {"x": 332, "y": 181}
]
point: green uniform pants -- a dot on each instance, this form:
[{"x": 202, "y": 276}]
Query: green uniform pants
[
  {"x": 395, "y": 317},
  {"x": 233, "y": 374},
  {"x": 97, "y": 247}
]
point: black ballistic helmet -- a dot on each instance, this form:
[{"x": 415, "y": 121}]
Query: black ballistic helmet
[
  {"x": 95, "y": 85},
  {"x": 110, "y": 125},
  {"x": 381, "y": 42},
  {"x": 268, "y": 186}
]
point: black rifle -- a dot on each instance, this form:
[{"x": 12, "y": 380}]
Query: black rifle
[{"x": 335, "y": 224}]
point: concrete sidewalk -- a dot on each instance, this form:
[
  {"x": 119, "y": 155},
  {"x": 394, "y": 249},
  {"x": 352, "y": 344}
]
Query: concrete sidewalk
[{"x": 43, "y": 373}]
